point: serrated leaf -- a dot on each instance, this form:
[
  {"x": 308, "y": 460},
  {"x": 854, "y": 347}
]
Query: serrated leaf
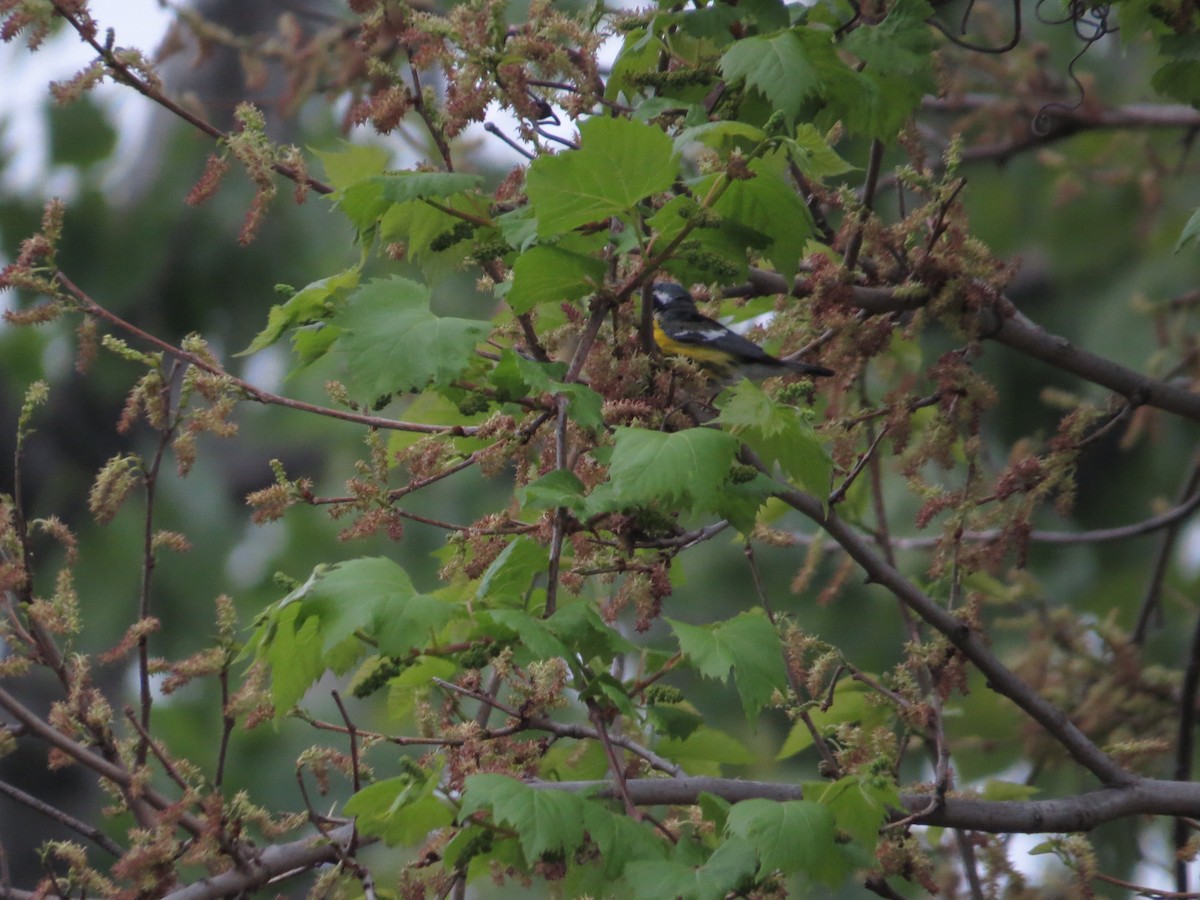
[
  {"x": 731, "y": 864},
  {"x": 514, "y": 376},
  {"x": 351, "y": 163},
  {"x": 791, "y": 836},
  {"x": 413, "y": 624},
  {"x": 315, "y": 627},
  {"x": 778, "y": 433},
  {"x": 535, "y": 639},
  {"x": 392, "y": 342},
  {"x": 898, "y": 58},
  {"x": 508, "y": 579},
  {"x": 619, "y": 839},
  {"x": 552, "y": 275},
  {"x": 767, "y": 204},
  {"x": 747, "y": 644},
  {"x": 813, "y": 155},
  {"x": 619, "y": 163},
  {"x": 546, "y": 821},
  {"x": 552, "y": 490},
  {"x": 400, "y": 811},
  {"x": 705, "y": 750},
  {"x": 312, "y": 302},
  {"x": 365, "y": 201},
  {"x": 684, "y": 470},
  {"x": 785, "y": 67},
  {"x": 859, "y": 805}
]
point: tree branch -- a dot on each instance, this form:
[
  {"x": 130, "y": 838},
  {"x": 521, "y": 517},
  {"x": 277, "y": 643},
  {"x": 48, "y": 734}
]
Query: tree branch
[
  {"x": 972, "y": 645},
  {"x": 275, "y": 861},
  {"x": 1082, "y": 812},
  {"x": 91, "y": 307}
]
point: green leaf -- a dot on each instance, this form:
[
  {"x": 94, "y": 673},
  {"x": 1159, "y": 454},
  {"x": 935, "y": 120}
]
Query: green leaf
[
  {"x": 747, "y": 644},
  {"x": 575, "y": 632},
  {"x": 552, "y": 275},
  {"x": 353, "y": 162},
  {"x": 393, "y": 343},
  {"x": 552, "y": 490},
  {"x": 366, "y": 200},
  {"x": 315, "y": 301},
  {"x": 534, "y": 639},
  {"x": 514, "y": 376},
  {"x": 684, "y": 470},
  {"x": 1190, "y": 233},
  {"x": 619, "y": 839},
  {"x": 705, "y": 750},
  {"x": 789, "y": 837},
  {"x": 786, "y": 67},
  {"x": 546, "y": 820},
  {"x": 510, "y": 576},
  {"x": 859, "y": 806},
  {"x": 674, "y": 721},
  {"x": 722, "y": 135},
  {"x": 399, "y": 811},
  {"x": 619, "y": 163},
  {"x": 779, "y": 434},
  {"x": 768, "y": 205},
  {"x": 731, "y": 864},
  {"x": 412, "y": 624},
  {"x": 898, "y": 53},
  {"x": 413, "y": 683},
  {"x": 712, "y": 248},
  {"x": 813, "y": 155},
  {"x": 1179, "y": 79},
  {"x": 316, "y": 626},
  {"x": 849, "y": 705}
]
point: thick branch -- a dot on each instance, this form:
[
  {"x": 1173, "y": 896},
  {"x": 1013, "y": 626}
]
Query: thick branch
[
  {"x": 1082, "y": 812},
  {"x": 972, "y": 645},
  {"x": 281, "y": 859},
  {"x": 1016, "y": 330}
]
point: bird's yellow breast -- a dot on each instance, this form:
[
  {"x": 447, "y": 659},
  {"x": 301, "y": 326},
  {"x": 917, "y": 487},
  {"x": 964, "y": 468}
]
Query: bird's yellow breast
[{"x": 709, "y": 357}]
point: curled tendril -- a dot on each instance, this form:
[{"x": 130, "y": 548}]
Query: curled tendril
[
  {"x": 978, "y": 48},
  {"x": 1090, "y": 25}
]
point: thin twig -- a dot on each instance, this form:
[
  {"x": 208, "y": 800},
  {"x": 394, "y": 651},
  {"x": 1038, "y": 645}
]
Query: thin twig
[
  {"x": 63, "y": 818},
  {"x": 149, "y": 558},
  {"x": 1185, "y": 745},
  {"x": 1189, "y": 495},
  {"x": 227, "y": 724},
  {"x": 91, "y": 307},
  {"x": 353, "y": 734},
  {"x": 854, "y": 245},
  {"x": 972, "y": 645},
  {"x": 123, "y": 74}
]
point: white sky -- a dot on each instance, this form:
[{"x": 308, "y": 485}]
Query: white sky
[{"x": 137, "y": 23}]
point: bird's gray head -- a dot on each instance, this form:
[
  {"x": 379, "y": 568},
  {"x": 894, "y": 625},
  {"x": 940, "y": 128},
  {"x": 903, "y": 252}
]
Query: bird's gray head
[{"x": 667, "y": 295}]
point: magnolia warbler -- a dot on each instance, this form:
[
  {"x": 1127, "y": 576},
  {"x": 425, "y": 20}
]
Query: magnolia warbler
[{"x": 682, "y": 330}]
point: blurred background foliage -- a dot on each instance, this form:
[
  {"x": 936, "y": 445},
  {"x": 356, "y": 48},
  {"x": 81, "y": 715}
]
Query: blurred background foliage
[{"x": 1089, "y": 221}]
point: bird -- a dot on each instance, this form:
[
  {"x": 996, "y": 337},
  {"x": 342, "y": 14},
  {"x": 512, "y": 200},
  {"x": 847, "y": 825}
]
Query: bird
[{"x": 682, "y": 330}]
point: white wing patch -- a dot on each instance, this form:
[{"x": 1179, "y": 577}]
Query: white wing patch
[{"x": 702, "y": 336}]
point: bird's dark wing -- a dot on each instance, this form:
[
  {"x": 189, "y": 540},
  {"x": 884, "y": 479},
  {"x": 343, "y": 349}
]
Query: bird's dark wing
[{"x": 700, "y": 329}]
